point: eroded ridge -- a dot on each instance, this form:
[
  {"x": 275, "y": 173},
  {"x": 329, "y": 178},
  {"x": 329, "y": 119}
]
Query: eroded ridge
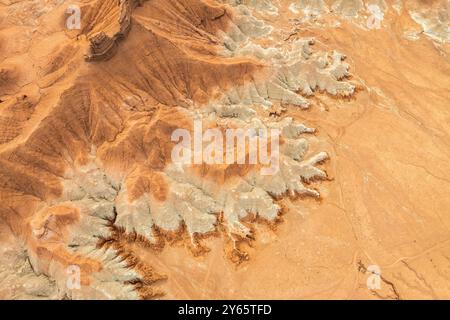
[
  {"x": 295, "y": 68},
  {"x": 103, "y": 45},
  {"x": 195, "y": 195},
  {"x": 89, "y": 178}
]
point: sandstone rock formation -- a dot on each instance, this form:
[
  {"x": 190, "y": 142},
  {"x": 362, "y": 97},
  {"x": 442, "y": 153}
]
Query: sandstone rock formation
[
  {"x": 103, "y": 46},
  {"x": 89, "y": 189}
]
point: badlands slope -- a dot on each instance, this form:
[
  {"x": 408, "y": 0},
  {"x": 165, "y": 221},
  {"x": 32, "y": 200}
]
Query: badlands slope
[{"x": 360, "y": 91}]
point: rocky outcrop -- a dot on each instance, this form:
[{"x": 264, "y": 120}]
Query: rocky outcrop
[{"x": 103, "y": 46}]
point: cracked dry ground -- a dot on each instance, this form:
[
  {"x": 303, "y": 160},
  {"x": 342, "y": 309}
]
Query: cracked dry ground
[{"x": 86, "y": 178}]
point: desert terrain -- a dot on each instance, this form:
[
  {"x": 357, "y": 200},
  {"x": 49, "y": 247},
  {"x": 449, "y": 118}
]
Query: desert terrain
[{"x": 93, "y": 206}]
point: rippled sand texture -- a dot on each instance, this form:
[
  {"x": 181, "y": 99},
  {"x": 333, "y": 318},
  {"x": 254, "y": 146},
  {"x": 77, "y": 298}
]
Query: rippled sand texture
[{"x": 360, "y": 91}]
